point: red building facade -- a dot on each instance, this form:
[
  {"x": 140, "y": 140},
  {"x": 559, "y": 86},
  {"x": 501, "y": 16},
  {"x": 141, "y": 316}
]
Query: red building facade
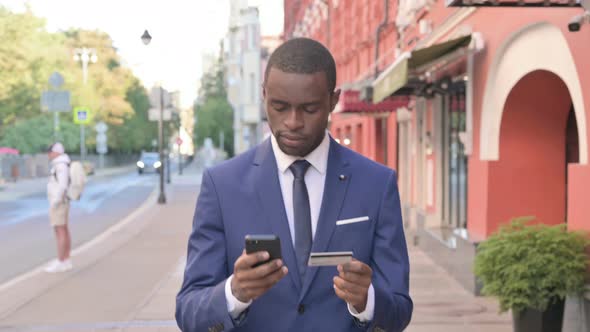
[
  {"x": 349, "y": 30},
  {"x": 482, "y": 111}
]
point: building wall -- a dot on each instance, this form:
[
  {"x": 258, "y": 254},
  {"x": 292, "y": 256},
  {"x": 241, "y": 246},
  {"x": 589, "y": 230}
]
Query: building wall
[
  {"x": 529, "y": 178},
  {"x": 352, "y": 26},
  {"x": 348, "y": 28},
  {"x": 366, "y": 136},
  {"x": 244, "y": 76},
  {"x": 480, "y": 177}
]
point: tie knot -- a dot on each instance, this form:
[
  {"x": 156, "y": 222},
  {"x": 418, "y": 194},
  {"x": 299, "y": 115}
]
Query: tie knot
[{"x": 299, "y": 168}]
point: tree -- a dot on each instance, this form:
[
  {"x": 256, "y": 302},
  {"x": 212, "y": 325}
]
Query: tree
[
  {"x": 214, "y": 117},
  {"x": 34, "y": 135},
  {"x": 28, "y": 55},
  {"x": 106, "y": 89},
  {"x": 214, "y": 113},
  {"x": 137, "y": 132}
]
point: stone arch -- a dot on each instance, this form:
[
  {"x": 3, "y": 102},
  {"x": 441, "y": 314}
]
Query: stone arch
[{"x": 540, "y": 46}]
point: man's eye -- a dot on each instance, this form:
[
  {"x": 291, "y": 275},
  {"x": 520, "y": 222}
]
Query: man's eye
[
  {"x": 311, "y": 109},
  {"x": 280, "y": 108}
]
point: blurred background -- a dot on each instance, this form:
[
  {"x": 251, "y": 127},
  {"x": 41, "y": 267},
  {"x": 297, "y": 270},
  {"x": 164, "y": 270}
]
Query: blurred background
[{"x": 479, "y": 105}]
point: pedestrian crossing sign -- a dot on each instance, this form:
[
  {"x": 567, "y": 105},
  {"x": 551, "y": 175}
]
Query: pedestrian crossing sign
[{"x": 81, "y": 115}]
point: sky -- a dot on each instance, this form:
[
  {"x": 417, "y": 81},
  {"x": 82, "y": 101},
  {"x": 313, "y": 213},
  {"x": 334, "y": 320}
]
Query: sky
[{"x": 181, "y": 30}]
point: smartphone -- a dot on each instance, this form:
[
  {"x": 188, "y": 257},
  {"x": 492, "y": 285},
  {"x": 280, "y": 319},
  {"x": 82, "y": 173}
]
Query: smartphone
[{"x": 263, "y": 242}]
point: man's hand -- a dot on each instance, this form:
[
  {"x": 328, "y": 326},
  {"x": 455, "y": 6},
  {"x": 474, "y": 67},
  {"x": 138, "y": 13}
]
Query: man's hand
[
  {"x": 249, "y": 282},
  {"x": 352, "y": 284}
]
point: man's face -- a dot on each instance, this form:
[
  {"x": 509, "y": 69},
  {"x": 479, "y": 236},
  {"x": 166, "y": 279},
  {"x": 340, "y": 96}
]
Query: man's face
[{"x": 298, "y": 106}]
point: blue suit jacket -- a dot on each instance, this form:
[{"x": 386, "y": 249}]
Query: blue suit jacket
[{"x": 243, "y": 196}]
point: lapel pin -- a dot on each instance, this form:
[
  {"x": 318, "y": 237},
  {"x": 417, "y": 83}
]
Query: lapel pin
[{"x": 342, "y": 177}]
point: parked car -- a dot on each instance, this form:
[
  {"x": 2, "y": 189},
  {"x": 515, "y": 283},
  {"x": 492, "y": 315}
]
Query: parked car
[{"x": 149, "y": 162}]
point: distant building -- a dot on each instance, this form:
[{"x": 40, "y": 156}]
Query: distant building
[
  {"x": 243, "y": 74},
  {"x": 267, "y": 47}
]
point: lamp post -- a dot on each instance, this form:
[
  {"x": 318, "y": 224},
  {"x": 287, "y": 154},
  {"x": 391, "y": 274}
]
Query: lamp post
[
  {"x": 146, "y": 39},
  {"x": 179, "y": 144},
  {"x": 84, "y": 56}
]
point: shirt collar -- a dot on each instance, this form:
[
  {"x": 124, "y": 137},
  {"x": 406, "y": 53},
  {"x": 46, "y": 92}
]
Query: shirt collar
[{"x": 318, "y": 158}]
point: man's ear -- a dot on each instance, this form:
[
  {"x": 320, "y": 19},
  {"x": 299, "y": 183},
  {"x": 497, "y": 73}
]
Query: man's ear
[
  {"x": 334, "y": 99},
  {"x": 263, "y": 91}
]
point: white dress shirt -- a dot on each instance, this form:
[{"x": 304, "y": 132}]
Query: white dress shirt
[{"x": 315, "y": 178}]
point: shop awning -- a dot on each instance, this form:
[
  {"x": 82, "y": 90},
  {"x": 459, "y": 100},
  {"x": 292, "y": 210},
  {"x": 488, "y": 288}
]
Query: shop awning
[
  {"x": 350, "y": 102},
  {"x": 6, "y": 150},
  {"x": 399, "y": 74}
]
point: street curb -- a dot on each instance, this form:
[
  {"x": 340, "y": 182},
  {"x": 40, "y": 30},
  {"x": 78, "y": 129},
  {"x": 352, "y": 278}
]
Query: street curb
[{"x": 150, "y": 201}]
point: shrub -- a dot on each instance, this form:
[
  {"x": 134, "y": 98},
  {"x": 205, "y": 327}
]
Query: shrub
[{"x": 529, "y": 266}]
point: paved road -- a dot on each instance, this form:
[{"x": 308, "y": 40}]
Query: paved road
[{"x": 27, "y": 240}]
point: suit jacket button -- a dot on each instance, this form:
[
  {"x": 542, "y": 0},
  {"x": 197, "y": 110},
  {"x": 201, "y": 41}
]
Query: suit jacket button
[{"x": 301, "y": 309}]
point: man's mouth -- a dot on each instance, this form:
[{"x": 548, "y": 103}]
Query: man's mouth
[{"x": 291, "y": 140}]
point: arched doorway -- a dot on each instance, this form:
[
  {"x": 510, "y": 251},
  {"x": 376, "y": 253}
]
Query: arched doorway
[
  {"x": 539, "y": 46},
  {"x": 537, "y": 136},
  {"x": 572, "y": 146}
]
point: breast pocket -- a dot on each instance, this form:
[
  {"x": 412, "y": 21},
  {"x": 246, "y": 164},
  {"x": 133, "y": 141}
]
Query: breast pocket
[{"x": 354, "y": 234}]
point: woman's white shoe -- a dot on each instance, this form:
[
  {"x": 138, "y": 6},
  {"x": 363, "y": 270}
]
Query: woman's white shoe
[{"x": 58, "y": 266}]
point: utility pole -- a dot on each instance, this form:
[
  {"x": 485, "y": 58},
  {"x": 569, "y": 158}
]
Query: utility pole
[
  {"x": 85, "y": 56},
  {"x": 162, "y": 196}
]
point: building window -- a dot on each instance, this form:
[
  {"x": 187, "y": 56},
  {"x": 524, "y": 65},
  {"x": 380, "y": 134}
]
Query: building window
[
  {"x": 252, "y": 35},
  {"x": 455, "y": 160},
  {"x": 252, "y": 88}
]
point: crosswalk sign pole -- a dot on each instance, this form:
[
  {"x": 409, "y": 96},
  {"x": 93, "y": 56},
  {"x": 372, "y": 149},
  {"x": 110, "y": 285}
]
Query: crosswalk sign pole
[
  {"x": 82, "y": 143},
  {"x": 82, "y": 117}
]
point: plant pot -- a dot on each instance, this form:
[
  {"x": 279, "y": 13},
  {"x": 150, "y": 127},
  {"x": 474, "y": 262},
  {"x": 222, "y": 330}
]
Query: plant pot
[{"x": 550, "y": 320}]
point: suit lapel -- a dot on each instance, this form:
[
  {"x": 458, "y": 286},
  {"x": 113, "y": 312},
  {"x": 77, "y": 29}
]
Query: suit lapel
[
  {"x": 271, "y": 200},
  {"x": 336, "y": 185}
]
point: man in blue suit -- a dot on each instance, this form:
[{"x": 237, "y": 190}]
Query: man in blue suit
[{"x": 317, "y": 196}]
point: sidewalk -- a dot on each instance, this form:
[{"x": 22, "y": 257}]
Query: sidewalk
[
  {"x": 442, "y": 304},
  {"x": 25, "y": 187},
  {"x": 127, "y": 281}
]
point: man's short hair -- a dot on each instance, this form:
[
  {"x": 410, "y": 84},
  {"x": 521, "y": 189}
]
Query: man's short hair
[{"x": 303, "y": 56}]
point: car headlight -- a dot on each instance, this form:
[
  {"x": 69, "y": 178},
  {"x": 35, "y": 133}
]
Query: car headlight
[
  {"x": 157, "y": 164},
  {"x": 140, "y": 164}
]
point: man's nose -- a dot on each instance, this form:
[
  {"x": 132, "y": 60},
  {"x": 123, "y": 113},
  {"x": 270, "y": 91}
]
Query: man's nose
[{"x": 294, "y": 119}]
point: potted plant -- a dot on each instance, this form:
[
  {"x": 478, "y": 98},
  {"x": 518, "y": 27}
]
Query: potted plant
[{"x": 530, "y": 269}]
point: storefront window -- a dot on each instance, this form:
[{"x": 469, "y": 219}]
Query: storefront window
[{"x": 455, "y": 173}]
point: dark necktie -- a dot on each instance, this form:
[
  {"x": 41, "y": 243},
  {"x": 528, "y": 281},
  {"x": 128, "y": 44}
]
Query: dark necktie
[{"x": 302, "y": 215}]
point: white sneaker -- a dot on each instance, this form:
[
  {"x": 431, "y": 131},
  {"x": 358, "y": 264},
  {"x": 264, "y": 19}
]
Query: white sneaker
[
  {"x": 58, "y": 266},
  {"x": 51, "y": 265},
  {"x": 67, "y": 264}
]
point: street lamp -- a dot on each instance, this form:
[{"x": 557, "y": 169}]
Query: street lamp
[
  {"x": 84, "y": 56},
  {"x": 146, "y": 39}
]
